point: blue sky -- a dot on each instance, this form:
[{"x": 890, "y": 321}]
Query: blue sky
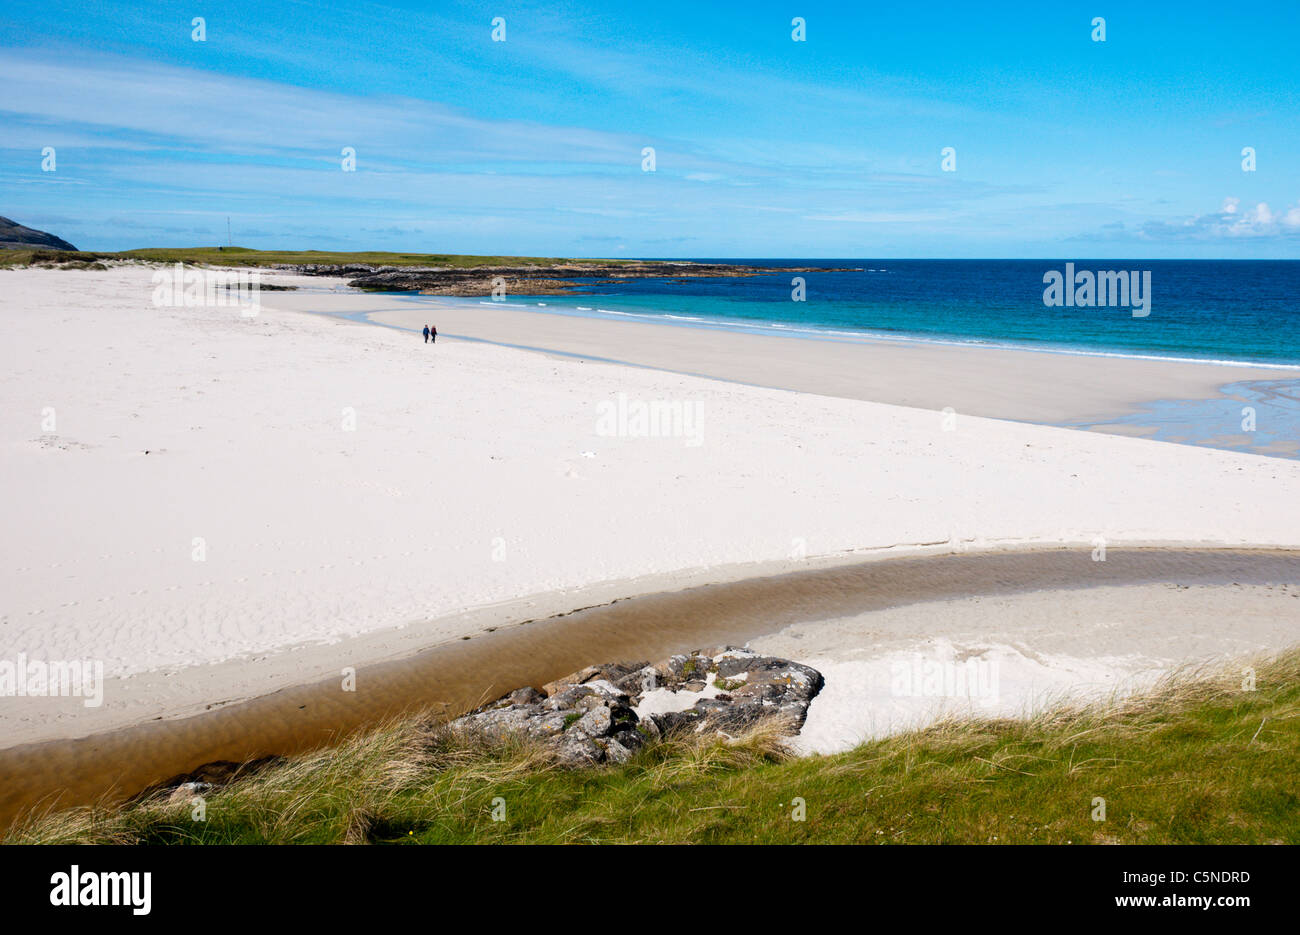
[{"x": 1065, "y": 147}]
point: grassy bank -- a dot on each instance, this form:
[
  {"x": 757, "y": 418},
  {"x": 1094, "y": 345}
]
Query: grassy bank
[
  {"x": 1196, "y": 760},
  {"x": 241, "y": 256}
]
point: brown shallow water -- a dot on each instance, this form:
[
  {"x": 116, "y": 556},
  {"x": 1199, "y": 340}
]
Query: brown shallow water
[{"x": 454, "y": 677}]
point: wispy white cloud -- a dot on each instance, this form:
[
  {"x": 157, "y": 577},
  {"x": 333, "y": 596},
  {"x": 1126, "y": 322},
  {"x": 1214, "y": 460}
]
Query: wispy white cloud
[
  {"x": 1231, "y": 221},
  {"x": 179, "y": 140},
  {"x": 117, "y": 102}
]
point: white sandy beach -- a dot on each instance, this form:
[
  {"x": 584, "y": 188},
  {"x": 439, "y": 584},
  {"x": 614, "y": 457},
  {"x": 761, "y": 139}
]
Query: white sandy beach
[{"x": 220, "y": 489}]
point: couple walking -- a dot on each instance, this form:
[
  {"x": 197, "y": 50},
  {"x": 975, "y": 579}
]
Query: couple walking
[{"x": 430, "y": 334}]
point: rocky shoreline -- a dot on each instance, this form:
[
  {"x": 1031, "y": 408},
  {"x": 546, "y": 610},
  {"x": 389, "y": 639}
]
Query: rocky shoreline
[
  {"x": 561, "y": 278},
  {"x": 558, "y": 279}
]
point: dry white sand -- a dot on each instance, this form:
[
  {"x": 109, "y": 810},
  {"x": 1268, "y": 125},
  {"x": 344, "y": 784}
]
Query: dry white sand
[
  {"x": 1014, "y": 655},
  {"x": 347, "y": 480}
]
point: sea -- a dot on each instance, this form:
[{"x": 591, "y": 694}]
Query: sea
[
  {"x": 1234, "y": 313},
  {"x": 1225, "y": 311}
]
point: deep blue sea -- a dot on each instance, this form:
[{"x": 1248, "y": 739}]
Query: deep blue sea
[{"x": 1222, "y": 310}]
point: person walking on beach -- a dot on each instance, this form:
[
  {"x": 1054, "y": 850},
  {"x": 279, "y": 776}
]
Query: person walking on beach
[
  {"x": 426, "y": 334},
  {"x": 433, "y": 334}
]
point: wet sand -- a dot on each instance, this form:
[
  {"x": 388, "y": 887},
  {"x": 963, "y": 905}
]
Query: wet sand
[{"x": 456, "y": 676}]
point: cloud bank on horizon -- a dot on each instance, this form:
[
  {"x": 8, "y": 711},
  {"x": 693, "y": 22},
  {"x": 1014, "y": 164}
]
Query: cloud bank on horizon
[{"x": 657, "y": 130}]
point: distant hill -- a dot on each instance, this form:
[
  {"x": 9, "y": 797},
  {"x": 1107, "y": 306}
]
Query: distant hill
[{"x": 13, "y": 236}]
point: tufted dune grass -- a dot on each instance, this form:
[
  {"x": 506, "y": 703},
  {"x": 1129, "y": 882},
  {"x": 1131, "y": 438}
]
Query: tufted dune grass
[{"x": 1197, "y": 759}]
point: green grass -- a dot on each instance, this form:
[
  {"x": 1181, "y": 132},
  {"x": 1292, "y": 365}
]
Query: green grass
[
  {"x": 242, "y": 256},
  {"x": 1196, "y": 760},
  {"x": 80, "y": 259}
]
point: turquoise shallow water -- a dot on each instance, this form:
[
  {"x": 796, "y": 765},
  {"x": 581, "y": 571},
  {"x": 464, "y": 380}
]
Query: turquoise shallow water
[
  {"x": 1260, "y": 416},
  {"x": 1227, "y": 312},
  {"x": 1247, "y": 311},
  {"x": 1232, "y": 313}
]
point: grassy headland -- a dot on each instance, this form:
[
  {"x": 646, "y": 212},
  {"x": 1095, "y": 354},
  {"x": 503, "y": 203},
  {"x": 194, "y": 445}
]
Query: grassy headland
[
  {"x": 427, "y": 273},
  {"x": 242, "y": 256},
  {"x": 1199, "y": 759}
]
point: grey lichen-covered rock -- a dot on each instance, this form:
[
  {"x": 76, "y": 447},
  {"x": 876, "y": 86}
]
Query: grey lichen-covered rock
[
  {"x": 205, "y": 778},
  {"x": 605, "y": 713}
]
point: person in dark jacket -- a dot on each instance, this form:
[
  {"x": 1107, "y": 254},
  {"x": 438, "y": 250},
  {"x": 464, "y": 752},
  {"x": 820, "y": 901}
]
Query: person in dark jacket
[
  {"x": 433, "y": 334},
  {"x": 426, "y": 334}
]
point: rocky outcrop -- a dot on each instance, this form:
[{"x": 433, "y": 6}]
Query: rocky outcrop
[
  {"x": 14, "y": 236},
  {"x": 559, "y": 278},
  {"x": 206, "y": 778},
  {"x": 605, "y": 713}
]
